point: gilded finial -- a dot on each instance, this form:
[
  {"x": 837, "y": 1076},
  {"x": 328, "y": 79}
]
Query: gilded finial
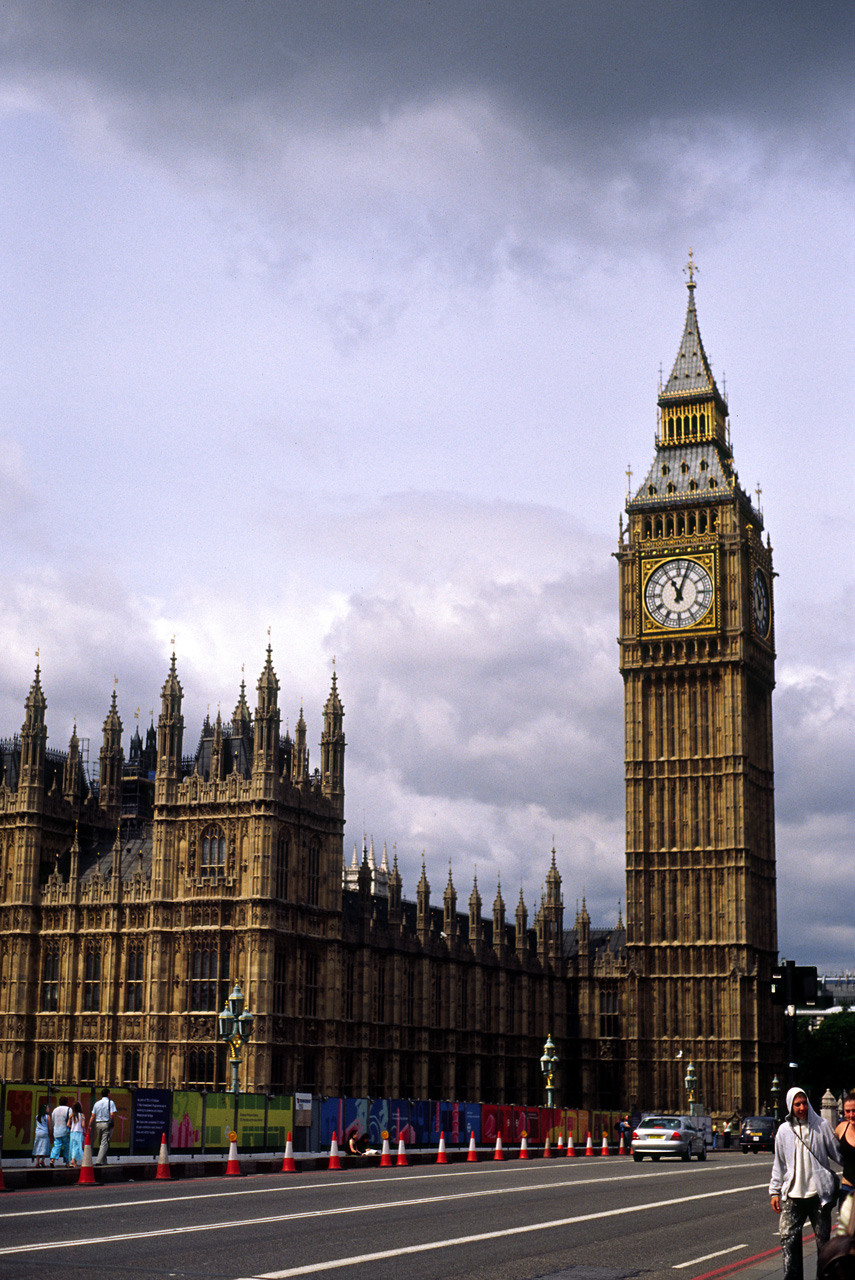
[
  {"x": 690, "y": 268},
  {"x": 629, "y": 480}
]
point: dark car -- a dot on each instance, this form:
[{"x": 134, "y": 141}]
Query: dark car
[{"x": 758, "y": 1134}]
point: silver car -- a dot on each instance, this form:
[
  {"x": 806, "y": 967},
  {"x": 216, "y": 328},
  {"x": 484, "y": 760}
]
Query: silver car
[{"x": 668, "y": 1135}]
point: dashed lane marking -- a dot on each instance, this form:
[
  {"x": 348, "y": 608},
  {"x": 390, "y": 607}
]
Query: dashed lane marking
[
  {"x": 337, "y": 1263},
  {"x": 678, "y": 1266},
  {"x": 97, "y": 1206},
  {"x": 244, "y": 1223}
]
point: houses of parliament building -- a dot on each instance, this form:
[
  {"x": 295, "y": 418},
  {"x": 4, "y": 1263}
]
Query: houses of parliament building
[{"x": 130, "y": 902}]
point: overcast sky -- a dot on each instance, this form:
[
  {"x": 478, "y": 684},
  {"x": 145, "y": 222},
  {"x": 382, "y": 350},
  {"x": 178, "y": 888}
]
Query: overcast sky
[{"x": 346, "y": 319}]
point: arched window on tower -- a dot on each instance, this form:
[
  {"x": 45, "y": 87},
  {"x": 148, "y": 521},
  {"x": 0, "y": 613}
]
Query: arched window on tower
[
  {"x": 134, "y": 982},
  {"x": 212, "y": 860},
  {"x": 50, "y": 979},
  {"x": 132, "y": 1066},
  {"x": 88, "y": 1066},
  {"x": 209, "y": 971},
  {"x": 92, "y": 978},
  {"x": 313, "y": 875},
  {"x": 282, "y": 856}
]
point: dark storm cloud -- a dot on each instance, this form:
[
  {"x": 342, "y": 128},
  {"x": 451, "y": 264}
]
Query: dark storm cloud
[{"x": 570, "y": 64}]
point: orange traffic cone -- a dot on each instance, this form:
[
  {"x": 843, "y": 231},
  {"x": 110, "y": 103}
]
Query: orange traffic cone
[
  {"x": 498, "y": 1154},
  {"x": 589, "y": 1149},
  {"x": 288, "y": 1165},
  {"x": 571, "y": 1149},
  {"x": 605, "y": 1147},
  {"x": 334, "y": 1163},
  {"x": 233, "y": 1164},
  {"x": 385, "y": 1157},
  {"x": 163, "y": 1161},
  {"x": 524, "y": 1148},
  {"x": 622, "y": 1147},
  {"x": 87, "y": 1173},
  {"x": 560, "y": 1151},
  {"x": 402, "y": 1155},
  {"x": 546, "y": 1149},
  {"x": 472, "y": 1157},
  {"x": 441, "y": 1157}
]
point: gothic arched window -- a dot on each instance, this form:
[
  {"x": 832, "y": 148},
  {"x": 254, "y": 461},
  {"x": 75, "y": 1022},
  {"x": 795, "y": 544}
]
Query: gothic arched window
[
  {"x": 209, "y": 971},
  {"x": 212, "y": 861},
  {"x": 134, "y": 982},
  {"x": 282, "y": 857},
  {"x": 92, "y": 979},
  {"x": 50, "y": 980},
  {"x": 313, "y": 875}
]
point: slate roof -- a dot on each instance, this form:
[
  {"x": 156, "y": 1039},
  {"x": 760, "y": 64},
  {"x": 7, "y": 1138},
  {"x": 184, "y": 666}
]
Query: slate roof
[
  {"x": 600, "y": 942},
  {"x": 706, "y": 477}
]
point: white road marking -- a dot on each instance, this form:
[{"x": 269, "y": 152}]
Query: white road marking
[
  {"x": 678, "y": 1266},
  {"x": 96, "y": 1206},
  {"x": 244, "y": 1223},
  {"x": 338, "y": 1263}
]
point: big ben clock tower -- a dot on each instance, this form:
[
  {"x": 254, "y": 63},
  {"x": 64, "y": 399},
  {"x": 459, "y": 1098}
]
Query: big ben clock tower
[{"x": 697, "y": 659}]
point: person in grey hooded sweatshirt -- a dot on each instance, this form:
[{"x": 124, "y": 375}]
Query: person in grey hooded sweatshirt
[{"x": 802, "y": 1185}]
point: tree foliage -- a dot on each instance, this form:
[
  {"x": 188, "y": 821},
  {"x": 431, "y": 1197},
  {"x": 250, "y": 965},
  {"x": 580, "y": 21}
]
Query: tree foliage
[{"x": 826, "y": 1055}]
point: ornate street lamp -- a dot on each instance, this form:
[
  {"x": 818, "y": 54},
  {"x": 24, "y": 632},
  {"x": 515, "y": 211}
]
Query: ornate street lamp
[
  {"x": 691, "y": 1082},
  {"x": 775, "y": 1090},
  {"x": 235, "y": 1026},
  {"x": 548, "y": 1063}
]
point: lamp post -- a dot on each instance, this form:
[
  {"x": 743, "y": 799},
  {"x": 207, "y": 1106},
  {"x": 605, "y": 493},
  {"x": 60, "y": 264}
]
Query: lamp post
[
  {"x": 774, "y": 1091},
  {"x": 548, "y": 1063},
  {"x": 691, "y": 1082},
  {"x": 235, "y": 1026}
]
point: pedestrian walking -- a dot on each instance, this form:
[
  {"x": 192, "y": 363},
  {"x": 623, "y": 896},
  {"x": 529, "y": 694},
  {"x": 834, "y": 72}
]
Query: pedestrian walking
[
  {"x": 103, "y": 1113},
  {"x": 60, "y": 1120},
  {"x": 802, "y": 1185},
  {"x": 76, "y": 1130},
  {"x": 845, "y": 1134},
  {"x": 41, "y": 1141}
]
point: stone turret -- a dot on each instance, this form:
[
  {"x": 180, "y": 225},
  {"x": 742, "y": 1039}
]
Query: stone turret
[
  {"x": 332, "y": 749},
  {"x": 112, "y": 759}
]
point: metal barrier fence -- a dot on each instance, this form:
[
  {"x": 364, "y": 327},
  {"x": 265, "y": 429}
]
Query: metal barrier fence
[{"x": 197, "y": 1122}]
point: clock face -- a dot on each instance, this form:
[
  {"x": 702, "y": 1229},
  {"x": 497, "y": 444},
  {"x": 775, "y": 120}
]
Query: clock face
[
  {"x": 760, "y": 602},
  {"x": 678, "y": 593}
]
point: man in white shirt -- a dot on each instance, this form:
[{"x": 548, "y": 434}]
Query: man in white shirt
[
  {"x": 60, "y": 1119},
  {"x": 102, "y": 1114},
  {"x": 802, "y": 1185}
]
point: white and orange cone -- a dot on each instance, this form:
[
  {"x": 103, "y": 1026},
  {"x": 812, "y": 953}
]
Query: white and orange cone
[
  {"x": 498, "y": 1154},
  {"x": 441, "y": 1157},
  {"x": 334, "y": 1163},
  {"x": 163, "y": 1161},
  {"x": 571, "y": 1149},
  {"x": 233, "y": 1163},
  {"x": 547, "y": 1150},
  {"x": 622, "y": 1147},
  {"x": 87, "y": 1172},
  {"x": 288, "y": 1165},
  {"x": 524, "y": 1148},
  {"x": 589, "y": 1149},
  {"x": 560, "y": 1145},
  {"x": 604, "y": 1151},
  {"x": 385, "y": 1156},
  {"x": 402, "y": 1160},
  {"x": 472, "y": 1157}
]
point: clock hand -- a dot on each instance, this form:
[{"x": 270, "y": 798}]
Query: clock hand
[{"x": 679, "y": 590}]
